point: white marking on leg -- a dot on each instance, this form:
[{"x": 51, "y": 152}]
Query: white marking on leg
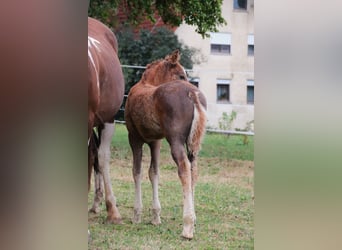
[
  {"x": 138, "y": 207},
  {"x": 188, "y": 205},
  {"x": 154, "y": 178},
  {"x": 104, "y": 158},
  {"x": 98, "y": 193}
]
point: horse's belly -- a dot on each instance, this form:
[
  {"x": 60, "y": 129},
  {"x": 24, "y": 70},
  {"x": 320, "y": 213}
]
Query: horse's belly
[{"x": 149, "y": 129}]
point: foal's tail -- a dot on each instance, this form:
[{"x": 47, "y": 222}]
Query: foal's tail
[{"x": 197, "y": 130}]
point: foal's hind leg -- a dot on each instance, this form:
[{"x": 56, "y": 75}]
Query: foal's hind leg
[
  {"x": 153, "y": 174},
  {"x": 136, "y": 146},
  {"x": 194, "y": 177},
  {"x": 113, "y": 215},
  {"x": 184, "y": 173}
]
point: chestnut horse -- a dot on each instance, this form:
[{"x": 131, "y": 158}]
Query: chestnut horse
[
  {"x": 105, "y": 95},
  {"x": 163, "y": 105}
]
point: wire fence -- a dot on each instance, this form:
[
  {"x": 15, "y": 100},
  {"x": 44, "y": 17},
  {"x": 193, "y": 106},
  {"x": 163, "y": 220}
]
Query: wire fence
[
  {"x": 192, "y": 70},
  {"x": 219, "y": 131}
]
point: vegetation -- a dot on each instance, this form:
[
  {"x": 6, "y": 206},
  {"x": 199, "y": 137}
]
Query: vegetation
[
  {"x": 224, "y": 199},
  {"x": 205, "y": 15},
  {"x": 148, "y": 47},
  {"x": 226, "y": 121}
]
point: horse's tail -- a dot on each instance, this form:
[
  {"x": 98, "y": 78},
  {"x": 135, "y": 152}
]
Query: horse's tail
[
  {"x": 197, "y": 130},
  {"x": 95, "y": 151}
]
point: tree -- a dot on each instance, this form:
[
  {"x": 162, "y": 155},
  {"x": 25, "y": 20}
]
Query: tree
[
  {"x": 147, "y": 47},
  {"x": 205, "y": 15}
]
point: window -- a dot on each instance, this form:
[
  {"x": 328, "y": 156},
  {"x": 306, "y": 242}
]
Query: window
[
  {"x": 220, "y": 43},
  {"x": 250, "y": 41},
  {"x": 250, "y": 91},
  {"x": 223, "y": 95},
  {"x": 194, "y": 81},
  {"x": 240, "y": 4},
  {"x": 220, "y": 48}
]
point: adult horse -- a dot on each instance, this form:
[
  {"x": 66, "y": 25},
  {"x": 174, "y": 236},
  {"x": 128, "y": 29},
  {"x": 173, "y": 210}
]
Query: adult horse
[
  {"x": 105, "y": 95},
  {"x": 163, "y": 105}
]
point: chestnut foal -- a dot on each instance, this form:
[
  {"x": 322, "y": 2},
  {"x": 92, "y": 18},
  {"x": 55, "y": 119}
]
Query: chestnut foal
[{"x": 164, "y": 105}]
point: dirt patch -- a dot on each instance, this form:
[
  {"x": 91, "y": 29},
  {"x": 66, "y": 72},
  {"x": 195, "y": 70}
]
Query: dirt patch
[
  {"x": 234, "y": 172},
  {"x": 229, "y": 171}
]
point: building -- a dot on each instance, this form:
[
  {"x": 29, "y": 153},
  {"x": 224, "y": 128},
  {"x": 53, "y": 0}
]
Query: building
[
  {"x": 226, "y": 75},
  {"x": 121, "y": 21}
]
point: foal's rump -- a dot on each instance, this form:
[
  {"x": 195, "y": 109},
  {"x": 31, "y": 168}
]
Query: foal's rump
[{"x": 182, "y": 111}]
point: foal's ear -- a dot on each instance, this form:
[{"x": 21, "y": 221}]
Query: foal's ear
[{"x": 174, "y": 57}]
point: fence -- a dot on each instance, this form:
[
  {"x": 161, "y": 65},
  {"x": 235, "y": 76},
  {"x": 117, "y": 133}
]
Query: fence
[
  {"x": 119, "y": 118},
  {"x": 227, "y": 132}
]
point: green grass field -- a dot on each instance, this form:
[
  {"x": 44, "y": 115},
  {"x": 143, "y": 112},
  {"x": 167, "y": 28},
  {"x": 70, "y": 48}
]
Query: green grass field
[{"x": 224, "y": 199}]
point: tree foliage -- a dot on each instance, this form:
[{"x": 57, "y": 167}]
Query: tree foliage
[
  {"x": 205, "y": 15},
  {"x": 147, "y": 47}
]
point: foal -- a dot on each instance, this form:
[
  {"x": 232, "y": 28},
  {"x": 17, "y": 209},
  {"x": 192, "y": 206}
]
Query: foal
[{"x": 163, "y": 105}]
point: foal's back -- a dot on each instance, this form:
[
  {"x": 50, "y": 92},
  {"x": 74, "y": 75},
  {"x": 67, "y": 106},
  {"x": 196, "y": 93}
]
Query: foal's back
[{"x": 158, "y": 112}]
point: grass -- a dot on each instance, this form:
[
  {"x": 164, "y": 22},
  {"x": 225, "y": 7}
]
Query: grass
[{"x": 224, "y": 199}]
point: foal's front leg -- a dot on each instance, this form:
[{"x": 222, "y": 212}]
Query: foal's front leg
[
  {"x": 153, "y": 174},
  {"x": 137, "y": 176}
]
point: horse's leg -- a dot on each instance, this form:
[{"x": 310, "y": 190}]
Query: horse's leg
[
  {"x": 91, "y": 117},
  {"x": 113, "y": 215},
  {"x": 98, "y": 194},
  {"x": 184, "y": 173},
  {"x": 98, "y": 183},
  {"x": 90, "y": 165},
  {"x": 90, "y": 127},
  {"x": 136, "y": 146},
  {"x": 194, "y": 177},
  {"x": 153, "y": 174}
]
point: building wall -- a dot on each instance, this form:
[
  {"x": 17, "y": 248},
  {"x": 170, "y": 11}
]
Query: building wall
[{"x": 237, "y": 67}]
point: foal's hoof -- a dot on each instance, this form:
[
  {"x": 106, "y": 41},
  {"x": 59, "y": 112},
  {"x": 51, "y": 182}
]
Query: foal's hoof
[
  {"x": 89, "y": 237},
  {"x": 95, "y": 210},
  {"x": 187, "y": 236},
  {"x": 156, "y": 217},
  {"x": 117, "y": 221},
  {"x": 136, "y": 219},
  {"x": 156, "y": 220},
  {"x": 188, "y": 232}
]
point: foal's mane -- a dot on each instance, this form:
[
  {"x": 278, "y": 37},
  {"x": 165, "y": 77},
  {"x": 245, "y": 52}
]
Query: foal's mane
[
  {"x": 149, "y": 66},
  {"x": 153, "y": 63},
  {"x": 171, "y": 59}
]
